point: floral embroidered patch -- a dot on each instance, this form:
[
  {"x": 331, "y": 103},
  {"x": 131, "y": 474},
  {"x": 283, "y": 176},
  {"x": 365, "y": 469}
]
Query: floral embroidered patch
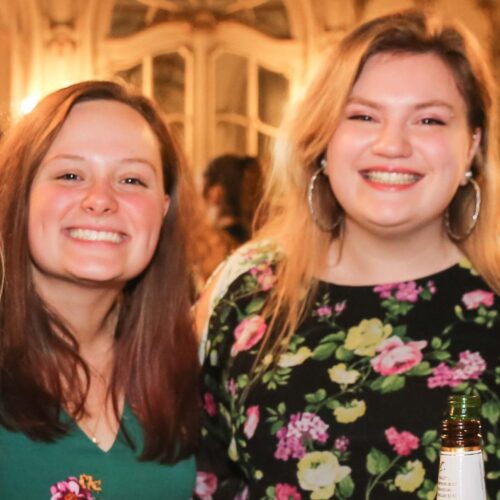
[{"x": 76, "y": 488}]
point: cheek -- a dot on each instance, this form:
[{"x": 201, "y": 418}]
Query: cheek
[
  {"x": 346, "y": 144},
  {"x": 147, "y": 214},
  {"x": 446, "y": 151},
  {"x": 46, "y": 205}
]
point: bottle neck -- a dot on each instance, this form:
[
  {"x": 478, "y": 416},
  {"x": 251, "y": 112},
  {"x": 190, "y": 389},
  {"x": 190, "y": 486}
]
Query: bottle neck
[{"x": 461, "y": 433}]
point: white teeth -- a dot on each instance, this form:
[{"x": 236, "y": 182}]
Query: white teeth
[
  {"x": 390, "y": 177},
  {"x": 90, "y": 235}
]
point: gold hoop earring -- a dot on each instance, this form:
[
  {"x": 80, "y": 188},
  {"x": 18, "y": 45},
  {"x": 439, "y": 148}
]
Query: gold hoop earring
[
  {"x": 310, "y": 199},
  {"x": 475, "y": 215}
]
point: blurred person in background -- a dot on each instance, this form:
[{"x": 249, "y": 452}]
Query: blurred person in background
[{"x": 232, "y": 190}]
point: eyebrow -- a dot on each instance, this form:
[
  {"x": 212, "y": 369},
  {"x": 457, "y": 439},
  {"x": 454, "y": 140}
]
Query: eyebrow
[
  {"x": 63, "y": 156},
  {"x": 422, "y": 105}
]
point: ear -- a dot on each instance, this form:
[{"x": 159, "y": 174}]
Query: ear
[
  {"x": 474, "y": 145},
  {"x": 166, "y": 204},
  {"x": 473, "y": 148}
]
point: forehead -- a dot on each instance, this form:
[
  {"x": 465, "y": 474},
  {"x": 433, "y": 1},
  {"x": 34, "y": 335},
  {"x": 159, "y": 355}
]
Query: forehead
[
  {"x": 106, "y": 130},
  {"x": 106, "y": 125},
  {"x": 426, "y": 76}
]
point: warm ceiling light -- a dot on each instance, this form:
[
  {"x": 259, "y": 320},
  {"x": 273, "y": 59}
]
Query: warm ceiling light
[{"x": 28, "y": 103}]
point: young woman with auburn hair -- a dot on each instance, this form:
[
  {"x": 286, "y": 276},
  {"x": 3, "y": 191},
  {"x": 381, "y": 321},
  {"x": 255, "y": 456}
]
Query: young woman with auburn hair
[
  {"x": 334, "y": 339},
  {"x": 98, "y": 358}
]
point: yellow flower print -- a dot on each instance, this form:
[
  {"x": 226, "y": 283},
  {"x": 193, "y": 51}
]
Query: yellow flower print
[
  {"x": 366, "y": 337},
  {"x": 318, "y": 472},
  {"x": 351, "y": 412},
  {"x": 466, "y": 264},
  {"x": 411, "y": 480},
  {"x": 340, "y": 375},
  {"x": 289, "y": 359},
  {"x": 88, "y": 481}
]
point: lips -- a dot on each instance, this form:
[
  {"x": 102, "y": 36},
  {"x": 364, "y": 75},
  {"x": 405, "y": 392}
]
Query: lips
[
  {"x": 96, "y": 235},
  {"x": 391, "y": 177}
]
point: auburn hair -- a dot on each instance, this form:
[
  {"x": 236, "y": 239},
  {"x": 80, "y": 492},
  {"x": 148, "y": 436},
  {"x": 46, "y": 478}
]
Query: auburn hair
[{"x": 155, "y": 363}]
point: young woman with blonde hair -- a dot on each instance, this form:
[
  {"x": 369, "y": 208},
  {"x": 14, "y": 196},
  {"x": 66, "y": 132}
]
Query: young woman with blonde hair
[{"x": 372, "y": 292}]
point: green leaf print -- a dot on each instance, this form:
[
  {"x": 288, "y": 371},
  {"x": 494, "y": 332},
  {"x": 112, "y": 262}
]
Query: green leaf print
[
  {"x": 429, "y": 437},
  {"x": 333, "y": 337},
  {"x": 431, "y": 454},
  {"x": 255, "y": 305},
  {"x": 392, "y": 383},
  {"x": 439, "y": 355},
  {"x": 343, "y": 354},
  {"x": 324, "y": 351},
  {"x": 436, "y": 343},
  {"x": 428, "y": 490},
  {"x": 346, "y": 487},
  {"x": 421, "y": 370},
  {"x": 377, "y": 462},
  {"x": 317, "y": 397},
  {"x": 399, "y": 330},
  {"x": 459, "y": 312},
  {"x": 242, "y": 380},
  {"x": 491, "y": 411}
]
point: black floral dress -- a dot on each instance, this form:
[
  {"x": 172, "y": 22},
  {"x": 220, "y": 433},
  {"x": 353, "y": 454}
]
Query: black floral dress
[{"x": 352, "y": 408}]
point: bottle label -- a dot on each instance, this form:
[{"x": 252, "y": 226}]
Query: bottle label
[{"x": 461, "y": 474}]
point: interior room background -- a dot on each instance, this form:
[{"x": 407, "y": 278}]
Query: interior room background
[{"x": 222, "y": 71}]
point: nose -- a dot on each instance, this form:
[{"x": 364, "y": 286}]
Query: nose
[
  {"x": 392, "y": 141},
  {"x": 99, "y": 199}
]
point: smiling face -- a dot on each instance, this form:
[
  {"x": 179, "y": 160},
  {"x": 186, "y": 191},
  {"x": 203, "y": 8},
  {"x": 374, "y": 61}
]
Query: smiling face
[
  {"x": 97, "y": 201},
  {"x": 402, "y": 146}
]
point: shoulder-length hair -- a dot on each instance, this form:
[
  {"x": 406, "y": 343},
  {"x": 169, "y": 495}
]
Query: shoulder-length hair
[
  {"x": 155, "y": 363},
  {"x": 310, "y": 124}
]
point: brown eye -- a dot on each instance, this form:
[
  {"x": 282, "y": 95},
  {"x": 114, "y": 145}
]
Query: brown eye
[
  {"x": 133, "y": 181},
  {"x": 432, "y": 121},
  {"x": 69, "y": 176}
]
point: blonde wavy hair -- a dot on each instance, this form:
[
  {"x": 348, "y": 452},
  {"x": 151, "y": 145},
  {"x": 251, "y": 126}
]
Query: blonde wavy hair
[{"x": 309, "y": 126}]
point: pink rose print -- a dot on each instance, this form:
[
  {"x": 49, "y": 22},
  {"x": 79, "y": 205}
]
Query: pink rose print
[
  {"x": 396, "y": 356},
  {"x": 244, "y": 495},
  {"x": 402, "y": 442},
  {"x": 209, "y": 404},
  {"x": 443, "y": 376},
  {"x": 248, "y": 333},
  {"x": 285, "y": 491},
  {"x": 384, "y": 291},
  {"x": 231, "y": 387},
  {"x": 408, "y": 292},
  {"x": 302, "y": 428},
  {"x": 263, "y": 273},
  {"x": 71, "y": 489},
  {"x": 324, "y": 311},
  {"x": 476, "y": 298},
  {"x": 342, "y": 443},
  {"x": 253, "y": 416},
  {"x": 206, "y": 484},
  {"x": 404, "y": 292},
  {"x": 470, "y": 366},
  {"x": 340, "y": 306}
]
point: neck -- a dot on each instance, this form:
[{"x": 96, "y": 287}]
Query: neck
[
  {"x": 364, "y": 257},
  {"x": 89, "y": 312}
]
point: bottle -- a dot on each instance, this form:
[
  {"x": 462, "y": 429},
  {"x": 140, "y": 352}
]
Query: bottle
[{"x": 461, "y": 467}]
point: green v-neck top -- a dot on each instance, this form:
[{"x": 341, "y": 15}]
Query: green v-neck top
[{"x": 31, "y": 470}]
